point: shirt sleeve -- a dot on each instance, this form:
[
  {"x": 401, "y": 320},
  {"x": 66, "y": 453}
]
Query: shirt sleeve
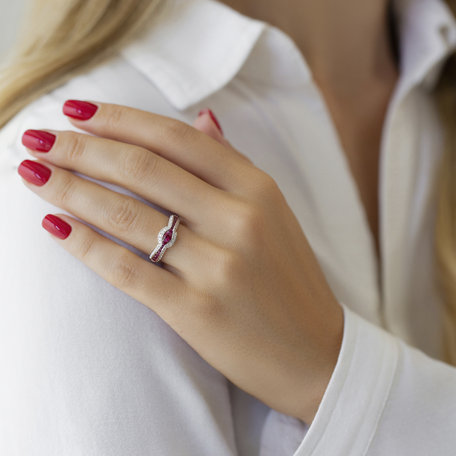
[{"x": 384, "y": 398}]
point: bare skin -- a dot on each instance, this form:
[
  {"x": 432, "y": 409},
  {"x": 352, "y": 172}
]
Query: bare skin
[
  {"x": 355, "y": 76},
  {"x": 274, "y": 328}
]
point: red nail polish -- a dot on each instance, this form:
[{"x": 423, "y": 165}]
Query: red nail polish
[
  {"x": 34, "y": 172},
  {"x": 38, "y": 140},
  {"x": 81, "y": 110},
  {"x": 56, "y": 226},
  {"x": 208, "y": 111}
]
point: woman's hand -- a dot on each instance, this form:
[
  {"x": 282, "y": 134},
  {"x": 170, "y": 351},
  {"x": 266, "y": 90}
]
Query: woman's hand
[{"x": 241, "y": 284}]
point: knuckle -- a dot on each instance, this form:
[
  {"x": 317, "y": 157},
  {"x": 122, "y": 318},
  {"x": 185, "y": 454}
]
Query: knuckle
[
  {"x": 123, "y": 272},
  {"x": 122, "y": 216},
  {"x": 75, "y": 146},
  {"x": 248, "y": 223},
  {"x": 267, "y": 184},
  {"x": 226, "y": 268},
  {"x": 67, "y": 189},
  {"x": 86, "y": 248},
  {"x": 263, "y": 187},
  {"x": 115, "y": 117},
  {"x": 179, "y": 131},
  {"x": 209, "y": 308},
  {"x": 138, "y": 165}
]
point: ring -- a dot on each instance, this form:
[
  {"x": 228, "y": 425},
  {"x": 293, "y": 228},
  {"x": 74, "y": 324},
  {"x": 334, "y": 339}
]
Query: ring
[{"x": 166, "y": 238}]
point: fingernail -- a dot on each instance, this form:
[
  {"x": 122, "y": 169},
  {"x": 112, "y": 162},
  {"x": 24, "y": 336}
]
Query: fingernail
[
  {"x": 34, "y": 172},
  {"x": 81, "y": 110},
  {"x": 214, "y": 119},
  {"x": 56, "y": 226},
  {"x": 38, "y": 140}
]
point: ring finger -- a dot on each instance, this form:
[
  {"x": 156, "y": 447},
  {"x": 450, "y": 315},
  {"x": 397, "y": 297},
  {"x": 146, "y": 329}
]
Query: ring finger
[{"x": 122, "y": 216}]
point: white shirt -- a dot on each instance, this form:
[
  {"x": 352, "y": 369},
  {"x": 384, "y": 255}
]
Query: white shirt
[{"x": 89, "y": 371}]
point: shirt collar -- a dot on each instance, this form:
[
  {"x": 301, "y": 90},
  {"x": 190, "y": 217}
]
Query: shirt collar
[
  {"x": 195, "y": 47},
  {"x": 427, "y": 35}
]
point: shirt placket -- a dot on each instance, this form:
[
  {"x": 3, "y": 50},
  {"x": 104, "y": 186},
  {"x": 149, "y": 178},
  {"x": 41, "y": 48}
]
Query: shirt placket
[{"x": 397, "y": 171}]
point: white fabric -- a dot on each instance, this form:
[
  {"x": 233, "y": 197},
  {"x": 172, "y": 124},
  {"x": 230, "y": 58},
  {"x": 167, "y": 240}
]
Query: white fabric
[{"x": 86, "y": 370}]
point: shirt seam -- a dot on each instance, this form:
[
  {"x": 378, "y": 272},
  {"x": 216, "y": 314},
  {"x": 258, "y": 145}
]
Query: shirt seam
[{"x": 386, "y": 396}]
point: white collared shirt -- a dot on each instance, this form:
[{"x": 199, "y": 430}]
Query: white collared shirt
[{"x": 90, "y": 371}]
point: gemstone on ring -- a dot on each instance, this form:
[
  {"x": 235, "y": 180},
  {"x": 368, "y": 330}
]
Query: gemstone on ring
[{"x": 166, "y": 238}]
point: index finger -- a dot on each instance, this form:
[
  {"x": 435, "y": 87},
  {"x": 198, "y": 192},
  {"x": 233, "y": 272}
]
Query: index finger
[{"x": 175, "y": 140}]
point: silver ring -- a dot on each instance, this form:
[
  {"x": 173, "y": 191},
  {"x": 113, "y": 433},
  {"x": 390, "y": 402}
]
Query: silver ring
[{"x": 165, "y": 239}]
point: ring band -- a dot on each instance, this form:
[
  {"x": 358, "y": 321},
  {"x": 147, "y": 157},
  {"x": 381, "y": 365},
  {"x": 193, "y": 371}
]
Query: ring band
[{"x": 166, "y": 238}]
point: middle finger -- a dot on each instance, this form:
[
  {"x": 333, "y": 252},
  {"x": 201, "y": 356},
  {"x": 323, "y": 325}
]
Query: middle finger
[{"x": 141, "y": 171}]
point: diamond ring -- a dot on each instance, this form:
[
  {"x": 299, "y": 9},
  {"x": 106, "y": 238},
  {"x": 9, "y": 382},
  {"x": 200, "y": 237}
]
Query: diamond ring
[{"x": 166, "y": 238}]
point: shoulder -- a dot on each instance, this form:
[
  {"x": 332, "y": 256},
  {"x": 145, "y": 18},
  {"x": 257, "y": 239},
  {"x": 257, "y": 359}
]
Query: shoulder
[{"x": 114, "y": 81}]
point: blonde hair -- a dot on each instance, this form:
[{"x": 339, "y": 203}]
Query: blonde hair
[
  {"x": 72, "y": 36},
  {"x": 75, "y": 35},
  {"x": 445, "y": 229}
]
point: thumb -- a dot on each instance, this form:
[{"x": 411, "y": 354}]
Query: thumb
[{"x": 208, "y": 123}]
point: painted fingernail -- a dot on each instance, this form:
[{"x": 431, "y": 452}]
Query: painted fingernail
[
  {"x": 214, "y": 119},
  {"x": 38, "y": 140},
  {"x": 80, "y": 110},
  {"x": 56, "y": 226},
  {"x": 34, "y": 172}
]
